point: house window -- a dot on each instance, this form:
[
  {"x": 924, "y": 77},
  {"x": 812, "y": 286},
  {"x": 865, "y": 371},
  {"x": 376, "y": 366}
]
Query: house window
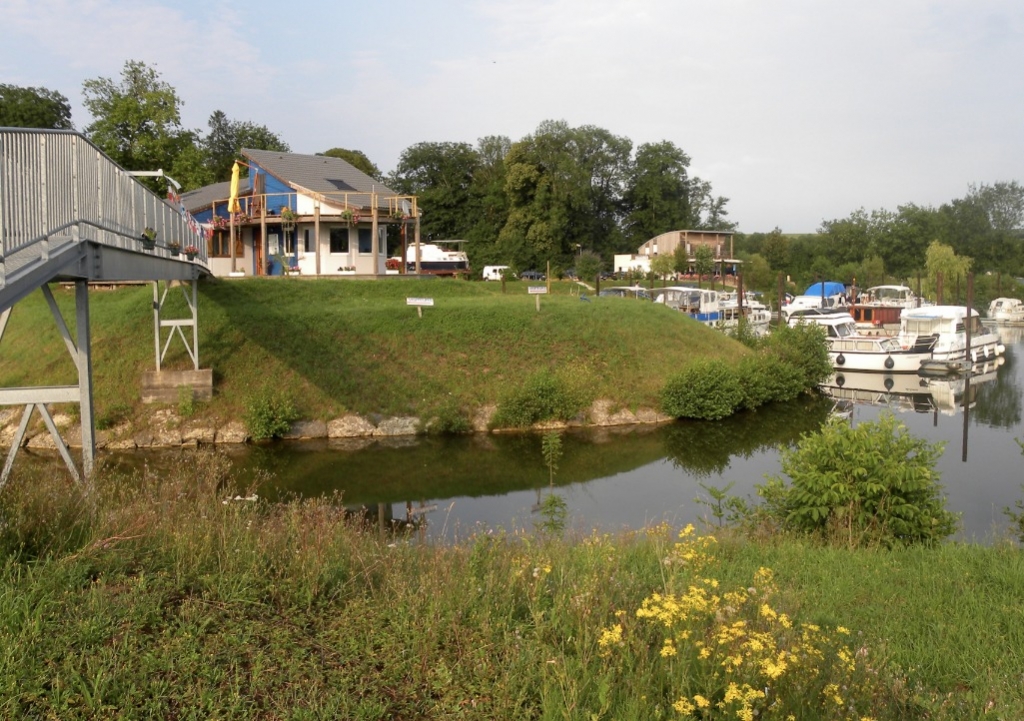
[
  {"x": 339, "y": 240},
  {"x": 365, "y": 240},
  {"x": 219, "y": 245},
  {"x": 290, "y": 238},
  {"x": 307, "y": 243}
]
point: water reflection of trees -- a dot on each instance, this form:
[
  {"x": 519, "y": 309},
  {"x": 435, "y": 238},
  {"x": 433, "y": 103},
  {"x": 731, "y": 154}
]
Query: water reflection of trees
[
  {"x": 998, "y": 402},
  {"x": 705, "y": 448}
]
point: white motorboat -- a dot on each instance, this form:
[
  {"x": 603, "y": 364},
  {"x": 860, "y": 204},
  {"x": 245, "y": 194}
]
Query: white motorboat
[
  {"x": 1006, "y": 310},
  {"x": 827, "y": 295},
  {"x": 837, "y": 323},
  {"x": 436, "y": 260},
  {"x": 876, "y": 354},
  {"x": 947, "y": 324},
  {"x": 756, "y": 313}
]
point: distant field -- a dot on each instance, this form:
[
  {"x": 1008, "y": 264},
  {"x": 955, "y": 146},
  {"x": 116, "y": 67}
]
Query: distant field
[{"x": 338, "y": 346}]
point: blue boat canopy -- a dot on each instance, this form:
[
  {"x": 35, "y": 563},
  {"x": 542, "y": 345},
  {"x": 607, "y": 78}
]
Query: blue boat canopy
[{"x": 831, "y": 288}]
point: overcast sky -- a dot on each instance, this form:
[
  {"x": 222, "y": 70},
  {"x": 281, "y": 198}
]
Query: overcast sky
[{"x": 796, "y": 110}]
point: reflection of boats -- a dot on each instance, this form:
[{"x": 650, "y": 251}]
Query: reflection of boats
[
  {"x": 1006, "y": 310},
  {"x": 947, "y": 323},
  {"x": 883, "y": 304},
  {"x": 1010, "y": 334},
  {"x": 876, "y": 353},
  {"x": 908, "y": 391}
]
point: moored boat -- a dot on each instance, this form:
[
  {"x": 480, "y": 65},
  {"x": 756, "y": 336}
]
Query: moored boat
[
  {"x": 947, "y": 325},
  {"x": 1006, "y": 310},
  {"x": 701, "y": 304},
  {"x": 876, "y": 354},
  {"x": 435, "y": 260},
  {"x": 883, "y": 305}
]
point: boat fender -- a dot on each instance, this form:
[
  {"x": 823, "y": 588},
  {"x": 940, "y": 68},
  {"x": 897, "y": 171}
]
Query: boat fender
[
  {"x": 888, "y": 383},
  {"x": 840, "y": 359},
  {"x": 840, "y": 380},
  {"x": 889, "y": 362}
]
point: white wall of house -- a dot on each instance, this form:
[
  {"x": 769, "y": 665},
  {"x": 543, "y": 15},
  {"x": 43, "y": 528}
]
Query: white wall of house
[{"x": 624, "y": 263}]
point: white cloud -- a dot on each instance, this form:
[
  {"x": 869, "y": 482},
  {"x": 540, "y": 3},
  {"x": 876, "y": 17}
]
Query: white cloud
[{"x": 797, "y": 110}]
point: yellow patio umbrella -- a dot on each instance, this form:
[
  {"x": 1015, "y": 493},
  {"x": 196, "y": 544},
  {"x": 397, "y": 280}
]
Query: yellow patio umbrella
[{"x": 233, "y": 206}]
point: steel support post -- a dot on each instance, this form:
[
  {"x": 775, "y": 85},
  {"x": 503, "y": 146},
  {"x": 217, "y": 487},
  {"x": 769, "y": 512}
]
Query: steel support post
[{"x": 84, "y": 363}]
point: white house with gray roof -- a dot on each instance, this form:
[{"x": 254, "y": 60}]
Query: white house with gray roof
[{"x": 307, "y": 214}]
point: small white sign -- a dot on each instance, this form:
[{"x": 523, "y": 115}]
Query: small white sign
[
  {"x": 537, "y": 290},
  {"x": 419, "y": 301}
]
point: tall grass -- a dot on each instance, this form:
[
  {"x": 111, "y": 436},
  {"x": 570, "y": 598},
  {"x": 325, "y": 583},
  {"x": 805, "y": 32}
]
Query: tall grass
[{"x": 159, "y": 597}]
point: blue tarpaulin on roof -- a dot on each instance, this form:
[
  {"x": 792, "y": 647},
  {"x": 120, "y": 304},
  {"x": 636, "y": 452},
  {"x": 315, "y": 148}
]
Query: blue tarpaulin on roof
[{"x": 831, "y": 288}]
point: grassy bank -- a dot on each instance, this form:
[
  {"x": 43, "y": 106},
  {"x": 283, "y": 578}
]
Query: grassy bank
[
  {"x": 154, "y": 599},
  {"x": 335, "y": 347}
]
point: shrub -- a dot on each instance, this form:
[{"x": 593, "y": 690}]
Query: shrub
[
  {"x": 269, "y": 414},
  {"x": 804, "y": 347},
  {"x": 874, "y": 483},
  {"x": 186, "y": 401},
  {"x": 706, "y": 389},
  {"x": 766, "y": 378},
  {"x": 449, "y": 419},
  {"x": 544, "y": 396}
]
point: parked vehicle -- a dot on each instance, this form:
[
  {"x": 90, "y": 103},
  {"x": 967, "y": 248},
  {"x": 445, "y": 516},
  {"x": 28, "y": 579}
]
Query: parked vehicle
[
  {"x": 531, "y": 275},
  {"x": 495, "y": 272}
]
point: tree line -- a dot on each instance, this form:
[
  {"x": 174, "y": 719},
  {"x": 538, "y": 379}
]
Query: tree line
[
  {"x": 550, "y": 196},
  {"x": 560, "y": 194},
  {"x": 984, "y": 229}
]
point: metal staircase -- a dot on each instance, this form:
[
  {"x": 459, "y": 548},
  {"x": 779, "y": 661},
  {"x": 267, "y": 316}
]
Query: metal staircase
[{"x": 68, "y": 213}]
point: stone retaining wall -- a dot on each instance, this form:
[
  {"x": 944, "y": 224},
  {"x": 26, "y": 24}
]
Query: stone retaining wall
[{"x": 166, "y": 430}]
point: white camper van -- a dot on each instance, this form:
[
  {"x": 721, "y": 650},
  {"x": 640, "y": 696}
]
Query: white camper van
[{"x": 494, "y": 272}]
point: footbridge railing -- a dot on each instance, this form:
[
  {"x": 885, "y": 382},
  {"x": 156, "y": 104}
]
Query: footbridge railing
[
  {"x": 57, "y": 189},
  {"x": 69, "y": 213}
]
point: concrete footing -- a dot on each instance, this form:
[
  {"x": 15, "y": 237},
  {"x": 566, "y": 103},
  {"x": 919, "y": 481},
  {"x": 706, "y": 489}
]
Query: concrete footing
[{"x": 162, "y": 386}]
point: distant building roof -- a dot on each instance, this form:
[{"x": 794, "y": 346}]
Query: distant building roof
[
  {"x": 202, "y": 198},
  {"x": 319, "y": 173}
]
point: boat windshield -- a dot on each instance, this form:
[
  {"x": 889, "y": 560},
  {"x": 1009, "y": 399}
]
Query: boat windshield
[{"x": 842, "y": 330}]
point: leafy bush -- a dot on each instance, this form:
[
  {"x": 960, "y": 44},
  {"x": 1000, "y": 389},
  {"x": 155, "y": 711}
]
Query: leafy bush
[
  {"x": 186, "y": 401},
  {"x": 269, "y": 414},
  {"x": 544, "y": 396},
  {"x": 706, "y": 389},
  {"x": 804, "y": 347},
  {"x": 450, "y": 419},
  {"x": 766, "y": 378},
  {"x": 862, "y": 485}
]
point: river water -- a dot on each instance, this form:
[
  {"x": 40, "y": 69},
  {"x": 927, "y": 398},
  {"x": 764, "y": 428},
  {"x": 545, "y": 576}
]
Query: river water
[
  {"x": 628, "y": 478},
  {"x": 632, "y": 477}
]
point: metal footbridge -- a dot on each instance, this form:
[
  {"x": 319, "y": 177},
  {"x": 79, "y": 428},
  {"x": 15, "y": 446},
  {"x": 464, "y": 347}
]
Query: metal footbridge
[{"x": 70, "y": 214}]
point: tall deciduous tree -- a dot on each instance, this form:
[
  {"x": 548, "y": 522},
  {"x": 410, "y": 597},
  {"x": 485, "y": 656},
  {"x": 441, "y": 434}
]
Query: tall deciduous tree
[
  {"x": 34, "y": 108},
  {"x": 227, "y": 138},
  {"x": 564, "y": 189},
  {"x": 943, "y": 259},
  {"x": 657, "y": 197},
  {"x": 441, "y": 175},
  {"x": 775, "y": 250},
  {"x": 356, "y": 158},
  {"x": 137, "y": 121}
]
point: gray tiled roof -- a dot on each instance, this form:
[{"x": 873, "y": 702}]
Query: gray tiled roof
[
  {"x": 319, "y": 173},
  {"x": 201, "y": 198}
]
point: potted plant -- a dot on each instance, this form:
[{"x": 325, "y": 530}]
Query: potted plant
[
  {"x": 348, "y": 216},
  {"x": 288, "y": 217},
  {"x": 191, "y": 251},
  {"x": 175, "y": 247},
  {"x": 148, "y": 238},
  {"x": 220, "y": 223}
]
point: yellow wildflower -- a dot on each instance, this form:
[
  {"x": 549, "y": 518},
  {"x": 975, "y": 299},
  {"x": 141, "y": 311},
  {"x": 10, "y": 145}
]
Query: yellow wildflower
[{"x": 683, "y": 706}]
